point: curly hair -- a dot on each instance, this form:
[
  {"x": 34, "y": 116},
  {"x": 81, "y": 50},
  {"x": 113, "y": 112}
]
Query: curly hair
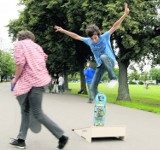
[
  {"x": 25, "y": 34},
  {"x": 92, "y": 30}
]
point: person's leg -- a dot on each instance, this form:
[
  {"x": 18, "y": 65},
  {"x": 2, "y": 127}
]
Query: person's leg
[
  {"x": 24, "y": 105},
  {"x": 57, "y": 90},
  {"x": 109, "y": 65},
  {"x": 35, "y": 100},
  {"x": 50, "y": 87},
  {"x": 60, "y": 89},
  {"x": 96, "y": 79},
  {"x": 91, "y": 98}
]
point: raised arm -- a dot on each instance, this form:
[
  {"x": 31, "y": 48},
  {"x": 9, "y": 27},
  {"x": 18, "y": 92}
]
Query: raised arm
[
  {"x": 118, "y": 23},
  {"x": 69, "y": 33}
]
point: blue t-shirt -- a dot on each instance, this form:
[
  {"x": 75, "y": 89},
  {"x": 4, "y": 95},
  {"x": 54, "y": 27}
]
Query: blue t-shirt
[
  {"x": 102, "y": 47},
  {"x": 89, "y": 73}
]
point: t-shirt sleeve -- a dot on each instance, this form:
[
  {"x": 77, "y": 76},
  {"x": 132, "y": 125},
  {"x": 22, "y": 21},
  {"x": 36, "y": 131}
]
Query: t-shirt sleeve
[
  {"x": 85, "y": 72},
  {"x": 106, "y": 35},
  {"x": 85, "y": 40},
  {"x": 19, "y": 54}
]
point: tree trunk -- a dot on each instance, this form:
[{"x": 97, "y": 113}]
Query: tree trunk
[
  {"x": 65, "y": 80},
  {"x": 2, "y": 76},
  {"x": 123, "y": 90},
  {"x": 83, "y": 81}
]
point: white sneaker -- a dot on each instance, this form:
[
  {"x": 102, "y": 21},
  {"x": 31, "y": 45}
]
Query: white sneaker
[{"x": 112, "y": 83}]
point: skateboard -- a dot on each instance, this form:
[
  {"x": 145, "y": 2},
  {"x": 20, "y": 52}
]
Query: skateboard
[
  {"x": 34, "y": 125},
  {"x": 100, "y": 109}
]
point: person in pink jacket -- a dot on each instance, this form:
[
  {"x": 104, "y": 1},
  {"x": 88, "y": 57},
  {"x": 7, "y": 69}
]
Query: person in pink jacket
[{"x": 30, "y": 78}]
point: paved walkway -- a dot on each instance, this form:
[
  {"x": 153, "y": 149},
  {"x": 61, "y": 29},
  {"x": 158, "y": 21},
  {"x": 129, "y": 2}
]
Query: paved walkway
[{"x": 71, "y": 112}]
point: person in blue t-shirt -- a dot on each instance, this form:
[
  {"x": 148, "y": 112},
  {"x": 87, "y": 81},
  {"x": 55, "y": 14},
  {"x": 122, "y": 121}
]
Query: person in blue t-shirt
[
  {"x": 89, "y": 73},
  {"x": 101, "y": 48}
]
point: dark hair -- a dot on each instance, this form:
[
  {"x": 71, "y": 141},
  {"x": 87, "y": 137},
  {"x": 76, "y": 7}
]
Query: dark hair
[
  {"x": 92, "y": 30},
  {"x": 25, "y": 34}
]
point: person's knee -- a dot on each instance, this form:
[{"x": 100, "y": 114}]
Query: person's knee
[
  {"x": 103, "y": 57},
  {"x": 38, "y": 116}
]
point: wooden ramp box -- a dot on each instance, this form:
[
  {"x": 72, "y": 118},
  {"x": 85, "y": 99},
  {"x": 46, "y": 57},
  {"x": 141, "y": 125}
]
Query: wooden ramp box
[{"x": 89, "y": 133}]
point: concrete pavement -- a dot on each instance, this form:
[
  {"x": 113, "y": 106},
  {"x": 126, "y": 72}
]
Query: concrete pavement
[{"x": 72, "y": 112}]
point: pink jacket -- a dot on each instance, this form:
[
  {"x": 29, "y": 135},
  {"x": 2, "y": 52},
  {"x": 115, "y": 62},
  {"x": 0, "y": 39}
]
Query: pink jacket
[{"x": 35, "y": 74}]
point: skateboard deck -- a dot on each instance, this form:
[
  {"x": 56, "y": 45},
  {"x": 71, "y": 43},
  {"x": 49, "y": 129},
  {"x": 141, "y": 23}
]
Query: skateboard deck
[
  {"x": 100, "y": 109},
  {"x": 34, "y": 125}
]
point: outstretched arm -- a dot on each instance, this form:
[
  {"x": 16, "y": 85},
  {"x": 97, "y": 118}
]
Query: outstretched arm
[
  {"x": 69, "y": 33},
  {"x": 118, "y": 23}
]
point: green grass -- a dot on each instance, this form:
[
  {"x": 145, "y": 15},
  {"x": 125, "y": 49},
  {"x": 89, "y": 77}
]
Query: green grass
[{"x": 141, "y": 98}]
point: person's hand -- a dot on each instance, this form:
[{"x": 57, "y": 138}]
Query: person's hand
[
  {"x": 58, "y": 29},
  {"x": 126, "y": 9},
  {"x": 13, "y": 82}
]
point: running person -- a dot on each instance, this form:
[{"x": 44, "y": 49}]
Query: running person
[{"x": 30, "y": 78}]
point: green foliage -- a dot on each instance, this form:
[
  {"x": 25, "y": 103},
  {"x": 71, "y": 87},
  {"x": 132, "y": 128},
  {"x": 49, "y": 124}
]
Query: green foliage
[
  {"x": 74, "y": 77},
  {"x": 144, "y": 76},
  {"x": 7, "y": 65},
  {"x": 140, "y": 82},
  {"x": 155, "y": 74},
  {"x": 138, "y": 35},
  {"x": 134, "y": 76}
]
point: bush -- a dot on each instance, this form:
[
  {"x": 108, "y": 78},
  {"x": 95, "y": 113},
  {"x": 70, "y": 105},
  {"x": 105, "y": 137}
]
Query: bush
[
  {"x": 131, "y": 82},
  {"x": 140, "y": 82}
]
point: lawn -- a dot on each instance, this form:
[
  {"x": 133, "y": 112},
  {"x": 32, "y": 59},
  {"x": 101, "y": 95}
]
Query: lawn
[{"x": 141, "y": 98}]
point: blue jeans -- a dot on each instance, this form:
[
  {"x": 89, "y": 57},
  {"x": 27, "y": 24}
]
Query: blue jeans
[
  {"x": 91, "y": 98},
  {"x": 107, "y": 65}
]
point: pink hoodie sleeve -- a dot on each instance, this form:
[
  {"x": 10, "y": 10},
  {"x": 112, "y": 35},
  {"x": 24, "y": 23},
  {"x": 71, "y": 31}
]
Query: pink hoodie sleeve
[{"x": 19, "y": 54}]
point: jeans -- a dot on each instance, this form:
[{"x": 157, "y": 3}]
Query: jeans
[
  {"x": 107, "y": 65},
  {"x": 32, "y": 101},
  {"x": 91, "y": 98},
  {"x": 60, "y": 88}
]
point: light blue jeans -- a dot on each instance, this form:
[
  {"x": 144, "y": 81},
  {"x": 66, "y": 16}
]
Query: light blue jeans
[
  {"x": 32, "y": 101},
  {"x": 107, "y": 65},
  {"x": 91, "y": 98}
]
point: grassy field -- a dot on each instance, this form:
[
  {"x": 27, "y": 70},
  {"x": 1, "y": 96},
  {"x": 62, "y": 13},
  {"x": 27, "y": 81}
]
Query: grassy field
[{"x": 141, "y": 98}]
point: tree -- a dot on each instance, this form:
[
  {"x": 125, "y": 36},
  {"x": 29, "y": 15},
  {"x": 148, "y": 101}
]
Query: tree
[
  {"x": 144, "y": 76},
  {"x": 65, "y": 55},
  {"x": 155, "y": 74},
  {"x": 134, "y": 76},
  {"x": 7, "y": 65},
  {"x": 137, "y": 37}
]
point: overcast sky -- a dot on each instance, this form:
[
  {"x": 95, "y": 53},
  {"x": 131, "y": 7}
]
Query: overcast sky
[{"x": 8, "y": 11}]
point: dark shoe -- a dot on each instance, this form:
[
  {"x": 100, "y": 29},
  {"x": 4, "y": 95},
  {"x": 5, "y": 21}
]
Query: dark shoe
[
  {"x": 90, "y": 101},
  {"x": 18, "y": 143},
  {"x": 62, "y": 142}
]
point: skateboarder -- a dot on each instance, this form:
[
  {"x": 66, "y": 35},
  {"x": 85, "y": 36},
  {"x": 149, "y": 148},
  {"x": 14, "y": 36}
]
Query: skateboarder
[
  {"x": 101, "y": 48},
  {"x": 30, "y": 78}
]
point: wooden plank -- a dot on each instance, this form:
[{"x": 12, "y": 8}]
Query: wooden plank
[{"x": 101, "y": 132}]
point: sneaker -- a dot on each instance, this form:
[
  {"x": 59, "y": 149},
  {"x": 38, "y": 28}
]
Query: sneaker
[
  {"x": 62, "y": 142},
  {"x": 112, "y": 83},
  {"x": 90, "y": 101},
  {"x": 18, "y": 143}
]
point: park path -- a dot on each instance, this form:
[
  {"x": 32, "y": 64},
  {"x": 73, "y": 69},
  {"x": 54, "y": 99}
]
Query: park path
[{"x": 72, "y": 112}]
